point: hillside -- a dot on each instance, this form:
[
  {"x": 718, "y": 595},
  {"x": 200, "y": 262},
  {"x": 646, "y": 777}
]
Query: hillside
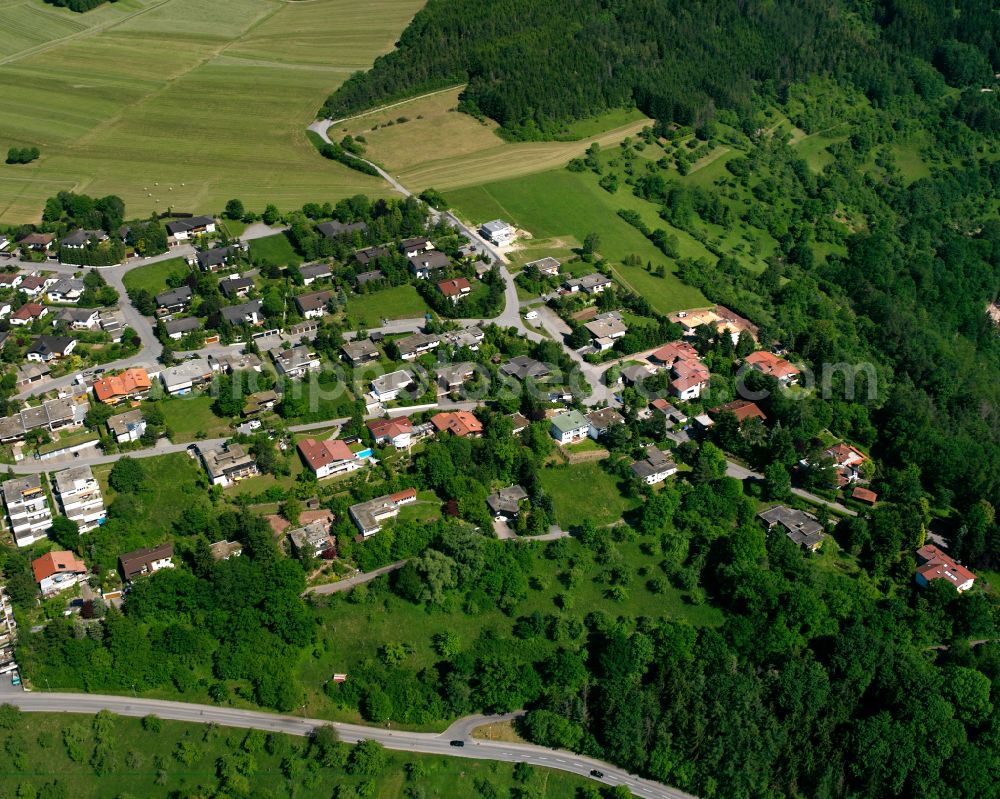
[{"x": 534, "y": 65}]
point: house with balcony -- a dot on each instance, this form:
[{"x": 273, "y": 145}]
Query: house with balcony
[
  {"x": 28, "y": 509},
  {"x": 80, "y": 496}
]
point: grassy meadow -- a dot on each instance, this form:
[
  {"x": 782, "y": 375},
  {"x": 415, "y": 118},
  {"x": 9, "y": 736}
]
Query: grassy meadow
[{"x": 181, "y": 104}]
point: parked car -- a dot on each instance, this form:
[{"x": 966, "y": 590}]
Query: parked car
[
  {"x": 15, "y": 679},
  {"x": 458, "y": 743}
]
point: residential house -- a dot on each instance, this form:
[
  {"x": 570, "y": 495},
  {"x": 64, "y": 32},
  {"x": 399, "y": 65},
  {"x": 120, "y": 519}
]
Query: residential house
[
  {"x": 332, "y": 230},
  {"x": 936, "y": 564},
  {"x": 498, "y": 232},
  {"x": 35, "y": 285},
  {"x": 66, "y": 290},
  {"x": 360, "y": 352},
  {"x": 27, "y": 509},
  {"x": 368, "y": 254},
  {"x": 847, "y": 461},
  {"x": 452, "y": 376},
  {"x": 460, "y": 423},
  {"x": 127, "y": 386},
  {"x": 313, "y": 305},
  {"x": 235, "y": 287},
  {"x": 31, "y": 373},
  {"x": 214, "y": 259},
  {"x": 545, "y": 266},
  {"x": 229, "y": 362},
  {"x": 147, "y": 560},
  {"x": 174, "y": 300},
  {"x": 569, "y": 426},
  {"x": 10, "y": 280},
  {"x": 605, "y": 329},
  {"x": 185, "y": 229},
  {"x": 78, "y": 318},
  {"x": 369, "y": 516},
  {"x": 79, "y": 239},
  {"x": 364, "y": 278},
  {"x": 690, "y": 376},
  {"x": 397, "y": 431},
  {"x": 522, "y": 367},
  {"x": 455, "y": 289},
  {"x": 54, "y": 414},
  {"x": 411, "y": 347},
  {"x": 770, "y": 364},
  {"x": 801, "y": 528},
  {"x": 671, "y": 414},
  {"x": 655, "y": 467},
  {"x": 505, "y": 503},
  {"x": 313, "y": 538},
  {"x": 113, "y": 323},
  {"x": 741, "y": 409},
  {"x": 519, "y": 423},
  {"x": 128, "y": 426},
  {"x": 414, "y": 246},
  {"x": 471, "y": 337},
  {"x": 426, "y": 263},
  {"x": 224, "y": 550},
  {"x": 79, "y": 494},
  {"x": 313, "y": 272},
  {"x": 387, "y": 387},
  {"x": 28, "y": 313},
  {"x": 58, "y": 571},
  {"x": 186, "y": 376},
  {"x": 602, "y": 420},
  {"x": 296, "y": 362},
  {"x": 227, "y": 463},
  {"x": 594, "y": 283},
  {"x": 329, "y": 457},
  {"x": 46, "y": 349},
  {"x": 248, "y": 313},
  {"x": 178, "y": 328},
  {"x": 39, "y": 242},
  {"x": 260, "y": 402},
  {"x": 636, "y": 373}
]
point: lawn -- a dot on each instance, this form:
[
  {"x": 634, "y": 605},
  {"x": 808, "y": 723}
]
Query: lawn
[
  {"x": 584, "y": 491},
  {"x": 190, "y": 415},
  {"x": 276, "y": 250},
  {"x": 153, "y": 277},
  {"x": 145, "y": 765},
  {"x": 182, "y": 104},
  {"x": 560, "y": 204},
  {"x": 397, "y": 302}
]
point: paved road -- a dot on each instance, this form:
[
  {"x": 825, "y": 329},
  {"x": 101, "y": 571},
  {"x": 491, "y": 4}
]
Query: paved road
[
  {"x": 163, "y": 447},
  {"x": 425, "y": 743},
  {"x": 358, "y": 579},
  {"x": 740, "y": 472}
]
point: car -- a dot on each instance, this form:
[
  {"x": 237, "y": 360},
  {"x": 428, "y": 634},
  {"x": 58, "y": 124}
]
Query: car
[
  {"x": 596, "y": 773},
  {"x": 15, "y": 679},
  {"x": 457, "y": 743}
]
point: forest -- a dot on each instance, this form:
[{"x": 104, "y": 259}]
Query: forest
[{"x": 536, "y": 65}]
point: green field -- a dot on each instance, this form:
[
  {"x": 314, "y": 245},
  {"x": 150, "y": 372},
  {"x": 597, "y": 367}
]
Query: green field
[
  {"x": 584, "y": 491},
  {"x": 153, "y": 277},
  {"x": 276, "y": 250},
  {"x": 560, "y": 204},
  {"x": 190, "y": 415},
  {"x": 398, "y": 302},
  {"x": 184, "y": 760},
  {"x": 181, "y": 104}
]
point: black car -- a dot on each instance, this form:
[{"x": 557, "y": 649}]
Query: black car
[
  {"x": 457, "y": 743},
  {"x": 595, "y": 773}
]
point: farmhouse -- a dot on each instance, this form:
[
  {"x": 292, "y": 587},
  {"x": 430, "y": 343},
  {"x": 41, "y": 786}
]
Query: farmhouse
[
  {"x": 146, "y": 561},
  {"x": 50, "y": 348},
  {"x": 397, "y": 431},
  {"x": 800, "y": 527},
  {"x": 128, "y": 426},
  {"x": 79, "y": 494},
  {"x": 655, "y": 467},
  {"x": 498, "y": 232},
  {"x": 58, "y": 571},
  {"x": 329, "y": 457},
  {"x": 569, "y": 426},
  {"x": 455, "y": 288},
  {"x": 296, "y": 362},
  {"x": 184, "y": 229},
  {"x": 131, "y": 384},
  {"x": 227, "y": 463},
  {"x": 936, "y": 564},
  {"x": 369, "y": 516},
  {"x": 423, "y": 264}
]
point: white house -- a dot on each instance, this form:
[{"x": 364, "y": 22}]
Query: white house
[
  {"x": 329, "y": 457},
  {"x": 569, "y": 427},
  {"x": 387, "y": 387},
  {"x": 80, "y": 496},
  {"x": 499, "y": 232},
  {"x": 56, "y": 571}
]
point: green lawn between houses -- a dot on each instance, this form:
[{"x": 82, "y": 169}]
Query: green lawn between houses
[
  {"x": 584, "y": 491},
  {"x": 153, "y": 277},
  {"x": 149, "y": 764},
  {"x": 397, "y": 302},
  {"x": 188, "y": 416},
  {"x": 276, "y": 250}
]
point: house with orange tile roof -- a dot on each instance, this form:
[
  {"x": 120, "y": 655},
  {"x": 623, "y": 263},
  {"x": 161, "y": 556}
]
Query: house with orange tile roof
[
  {"x": 741, "y": 409},
  {"x": 132, "y": 384},
  {"x": 460, "y": 423},
  {"x": 397, "y": 431},
  {"x": 329, "y": 457},
  {"x": 770, "y": 364},
  {"x": 57, "y": 571},
  {"x": 935, "y": 564}
]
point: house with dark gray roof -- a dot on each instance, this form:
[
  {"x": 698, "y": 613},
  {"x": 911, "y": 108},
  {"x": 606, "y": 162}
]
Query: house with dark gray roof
[
  {"x": 246, "y": 314},
  {"x": 233, "y": 287},
  {"x": 215, "y": 258},
  {"x": 311, "y": 272},
  {"x": 506, "y": 503},
  {"x": 178, "y": 328},
  {"x": 801, "y": 528},
  {"x": 174, "y": 300},
  {"x": 332, "y": 230}
]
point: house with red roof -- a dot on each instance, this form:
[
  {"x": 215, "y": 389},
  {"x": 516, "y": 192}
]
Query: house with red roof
[
  {"x": 690, "y": 375},
  {"x": 741, "y": 409},
  {"x": 460, "y": 423},
  {"x": 455, "y": 288},
  {"x": 57, "y": 571},
  {"x": 329, "y": 457},
  {"x": 397, "y": 431},
  {"x": 28, "y": 313},
  {"x": 935, "y": 564},
  {"x": 770, "y": 364}
]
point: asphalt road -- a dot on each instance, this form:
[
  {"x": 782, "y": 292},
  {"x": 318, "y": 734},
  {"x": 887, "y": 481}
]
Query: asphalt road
[{"x": 424, "y": 743}]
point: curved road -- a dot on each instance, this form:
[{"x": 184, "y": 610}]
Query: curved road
[{"x": 420, "y": 742}]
